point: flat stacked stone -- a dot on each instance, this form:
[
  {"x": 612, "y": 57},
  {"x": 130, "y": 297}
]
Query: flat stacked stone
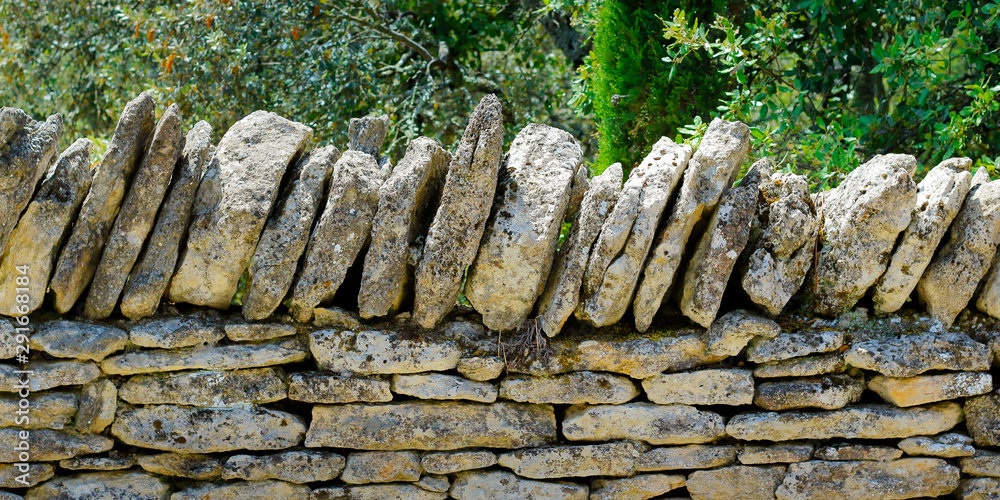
[
  {"x": 913, "y": 391},
  {"x": 702, "y": 387},
  {"x": 605, "y": 459},
  {"x": 27, "y": 148},
  {"x": 291, "y": 466},
  {"x": 692, "y": 456},
  {"x": 381, "y": 467},
  {"x": 868, "y": 480},
  {"x": 738, "y": 481},
  {"x": 500, "y": 484},
  {"x": 187, "y": 465},
  {"x": 112, "y": 485},
  {"x": 318, "y": 387},
  {"x": 72, "y": 339},
  {"x": 827, "y": 392},
  {"x": 372, "y": 352},
  {"x": 647, "y": 422},
  {"x": 229, "y": 357},
  {"x": 573, "y": 388},
  {"x": 909, "y": 355},
  {"x": 210, "y": 388},
  {"x": 854, "y": 422}
]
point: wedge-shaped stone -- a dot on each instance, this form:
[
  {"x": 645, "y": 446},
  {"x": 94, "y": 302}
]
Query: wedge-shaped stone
[
  {"x": 481, "y": 368},
  {"x": 606, "y": 459},
  {"x": 49, "y": 445},
  {"x": 48, "y": 374},
  {"x": 982, "y": 465},
  {"x": 230, "y": 357},
  {"x": 982, "y": 415},
  {"x": 573, "y": 388},
  {"x": 137, "y": 215},
  {"x": 640, "y": 487},
  {"x": 187, "y": 465},
  {"x": 710, "y": 172},
  {"x": 804, "y": 366},
  {"x": 208, "y": 430},
  {"x": 207, "y": 388},
  {"x": 779, "y": 453},
  {"x": 245, "y": 490},
  {"x": 283, "y": 241},
  {"x": 404, "y": 204},
  {"x": 857, "y": 422},
  {"x": 827, "y": 392},
  {"x": 335, "y": 317},
  {"x": 442, "y": 386},
  {"x": 851, "y": 451},
  {"x": 291, "y": 466},
  {"x": 381, "y": 467},
  {"x": 98, "y": 463},
  {"x": 34, "y": 243},
  {"x": 14, "y": 476},
  {"x": 27, "y": 148},
  {"x": 82, "y": 252},
  {"x": 133, "y": 485},
  {"x": 738, "y": 481},
  {"x": 948, "y": 445},
  {"x": 913, "y": 391},
  {"x": 466, "y": 200},
  {"x": 51, "y": 410},
  {"x": 449, "y": 463},
  {"x": 170, "y": 333},
  {"x": 317, "y": 387},
  {"x": 979, "y": 488},
  {"x": 73, "y": 339},
  {"x": 791, "y": 345},
  {"x": 654, "y": 424},
  {"x": 702, "y": 387},
  {"x": 370, "y": 352},
  {"x": 231, "y": 210},
  {"x": 728, "y": 335},
  {"x": 500, "y": 485},
  {"x": 98, "y": 405},
  {"x": 366, "y": 134},
  {"x": 255, "y": 332},
  {"x": 436, "y": 484},
  {"x": 692, "y": 456},
  {"x": 867, "y": 480},
  {"x": 912, "y": 354},
  {"x": 421, "y": 425}
]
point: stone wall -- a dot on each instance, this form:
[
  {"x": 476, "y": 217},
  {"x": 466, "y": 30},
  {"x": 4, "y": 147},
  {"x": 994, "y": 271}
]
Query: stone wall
[{"x": 255, "y": 319}]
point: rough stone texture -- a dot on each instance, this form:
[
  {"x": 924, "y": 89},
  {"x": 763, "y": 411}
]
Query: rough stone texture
[
  {"x": 191, "y": 466},
  {"x": 709, "y": 174},
  {"x": 9, "y": 345},
  {"x": 915, "y": 391},
  {"x": 692, "y": 456},
  {"x": 449, "y": 463},
  {"x": 572, "y": 388},
  {"x": 244, "y": 491},
  {"x": 98, "y": 405},
  {"x": 317, "y": 387},
  {"x": 982, "y": 415},
  {"x": 48, "y": 374},
  {"x": 862, "y": 217},
  {"x": 605, "y": 459},
  {"x": 728, "y": 335},
  {"x": 170, "y": 333},
  {"x": 790, "y": 345},
  {"x": 207, "y": 388},
  {"x": 640, "y": 487},
  {"x": 864, "y": 480},
  {"x": 231, "y": 210},
  {"x": 908, "y": 355},
  {"x": 404, "y": 203},
  {"x": 43, "y": 227},
  {"x": 230, "y": 357},
  {"x": 627, "y": 235},
  {"x": 73, "y": 339},
  {"x": 780, "y": 453},
  {"x": 81, "y": 254},
  {"x": 521, "y": 235},
  {"x": 848, "y": 451},
  {"x": 137, "y": 215},
  {"x": 828, "y": 392},
  {"x": 738, "y": 481},
  {"x": 13, "y": 477},
  {"x": 725, "y": 236},
  {"x": 988, "y": 300},
  {"x": 562, "y": 293},
  {"x": 255, "y": 332},
  {"x": 948, "y": 445},
  {"x": 982, "y": 465},
  {"x": 371, "y": 352},
  {"x": 292, "y": 466},
  {"x": 702, "y": 387},
  {"x": 499, "y": 485},
  {"x": 388, "y": 491},
  {"x": 366, "y": 134},
  {"x": 481, "y": 368},
  {"x": 856, "y": 422},
  {"x": 950, "y": 280},
  {"x": 805, "y": 366},
  {"x": 50, "y": 445},
  {"x": 284, "y": 239},
  {"x": 98, "y": 463},
  {"x": 442, "y": 386},
  {"x": 116, "y": 485},
  {"x": 437, "y": 484},
  {"x": 980, "y": 488},
  {"x": 335, "y": 317},
  {"x": 27, "y": 149},
  {"x": 52, "y": 410},
  {"x": 381, "y": 467},
  {"x": 151, "y": 274},
  {"x": 654, "y": 424},
  {"x": 465, "y": 205},
  {"x": 207, "y": 430}
]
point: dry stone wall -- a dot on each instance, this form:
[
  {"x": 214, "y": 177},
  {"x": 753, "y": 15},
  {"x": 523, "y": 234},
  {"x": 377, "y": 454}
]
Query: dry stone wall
[{"x": 259, "y": 319}]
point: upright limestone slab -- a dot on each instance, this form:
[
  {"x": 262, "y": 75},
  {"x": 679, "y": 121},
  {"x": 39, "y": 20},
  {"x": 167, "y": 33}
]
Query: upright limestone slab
[
  {"x": 137, "y": 215},
  {"x": 710, "y": 172},
  {"x": 252, "y": 158},
  {"x": 939, "y": 198},
  {"x": 27, "y": 148},
  {"x": 82, "y": 252},
  {"x": 44, "y": 226},
  {"x": 562, "y": 293},
  {"x": 367, "y": 134},
  {"x": 453, "y": 238},
  {"x": 151, "y": 275},
  {"x": 286, "y": 234},
  {"x": 521, "y": 236},
  {"x": 988, "y": 300},
  {"x": 403, "y": 205},
  {"x": 621, "y": 249}
]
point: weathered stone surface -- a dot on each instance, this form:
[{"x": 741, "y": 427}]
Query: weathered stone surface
[
  {"x": 366, "y": 134},
  {"x": 404, "y": 204},
  {"x": 291, "y": 466},
  {"x": 948, "y": 445},
  {"x": 191, "y": 466},
  {"x": 805, "y": 366},
  {"x": 654, "y": 424},
  {"x": 923, "y": 389},
  {"x": 621, "y": 249},
  {"x": 229, "y": 357},
  {"x": 82, "y": 252},
  {"x": 370, "y": 352},
  {"x": 170, "y": 333},
  {"x": 52, "y": 410},
  {"x": 381, "y": 467},
  {"x": 988, "y": 300},
  {"x": 43, "y": 227},
  {"x": 710, "y": 173},
  {"x": 449, "y": 463},
  {"x": 851, "y": 451},
  {"x": 441, "y": 386},
  {"x": 26, "y": 151},
  {"x": 73, "y": 339},
  {"x": 862, "y": 217},
  {"x": 856, "y": 422},
  {"x": 335, "y": 317},
  {"x": 725, "y": 236},
  {"x": 425, "y": 425},
  {"x": 499, "y": 485},
  {"x": 317, "y": 387},
  {"x": 465, "y": 205},
  {"x": 780, "y": 453},
  {"x": 48, "y": 374},
  {"x": 98, "y": 404},
  {"x": 562, "y": 292},
  {"x": 341, "y": 233},
  {"x": 728, "y": 335},
  {"x": 790, "y": 345},
  {"x": 605, "y": 459},
  {"x": 284, "y": 239},
  {"x": 388, "y": 491},
  {"x": 98, "y": 463},
  {"x": 207, "y": 388},
  {"x": 207, "y": 430},
  {"x": 702, "y": 387},
  {"x": 908, "y": 355},
  {"x": 243, "y": 491},
  {"x": 982, "y": 465},
  {"x": 480, "y": 368},
  {"x": 437, "y": 484},
  {"x": 950, "y": 280},
  {"x": 137, "y": 215},
  {"x": 9, "y": 345},
  {"x": 255, "y": 332},
  {"x": 738, "y": 481},
  {"x": 982, "y": 415},
  {"x": 11, "y": 476},
  {"x": 980, "y": 488},
  {"x": 50, "y": 445},
  {"x": 117, "y": 485},
  {"x": 864, "y": 480},
  {"x": 827, "y": 392},
  {"x": 151, "y": 274},
  {"x": 230, "y": 211},
  {"x": 641, "y": 487},
  {"x": 572, "y": 388},
  {"x": 692, "y": 456}
]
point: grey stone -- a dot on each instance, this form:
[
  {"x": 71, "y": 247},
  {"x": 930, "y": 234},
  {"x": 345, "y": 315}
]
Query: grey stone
[
  {"x": 255, "y": 332},
  {"x": 291, "y": 466},
  {"x": 791, "y": 345},
  {"x": 979, "y": 488},
  {"x": 827, "y": 392},
  {"x": 98, "y": 405},
  {"x": 913, "y": 391},
  {"x": 51, "y": 410},
  {"x": 437, "y": 484},
  {"x": 702, "y": 387},
  {"x": 605, "y": 459},
  {"x": 867, "y": 480},
  {"x": 73, "y": 339},
  {"x": 872, "y": 421},
  {"x": 115, "y": 485},
  {"x": 982, "y": 414},
  {"x": 212, "y": 388},
  {"x": 191, "y": 466},
  {"x": 48, "y": 374},
  {"x": 654, "y": 424},
  {"x": 13, "y": 476},
  {"x": 948, "y": 445},
  {"x": 641, "y": 487},
  {"x": 692, "y": 456},
  {"x": 481, "y": 368},
  {"x": 442, "y": 386},
  {"x": 989, "y": 296},
  {"x": 10, "y": 340},
  {"x": 738, "y": 481},
  {"x": 778, "y": 453},
  {"x": 26, "y": 151},
  {"x": 371, "y": 352},
  {"x": 499, "y": 485},
  {"x": 367, "y": 134},
  {"x": 170, "y": 333},
  {"x": 804, "y": 366},
  {"x": 381, "y": 467},
  {"x": 245, "y": 490},
  {"x": 728, "y": 335},
  {"x": 572, "y": 388},
  {"x": 48, "y": 445},
  {"x": 317, "y": 387},
  {"x": 385, "y": 491},
  {"x": 230, "y": 357},
  {"x": 912, "y": 354},
  {"x": 981, "y": 465},
  {"x": 851, "y": 451},
  {"x": 99, "y": 463},
  {"x": 450, "y": 463}
]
